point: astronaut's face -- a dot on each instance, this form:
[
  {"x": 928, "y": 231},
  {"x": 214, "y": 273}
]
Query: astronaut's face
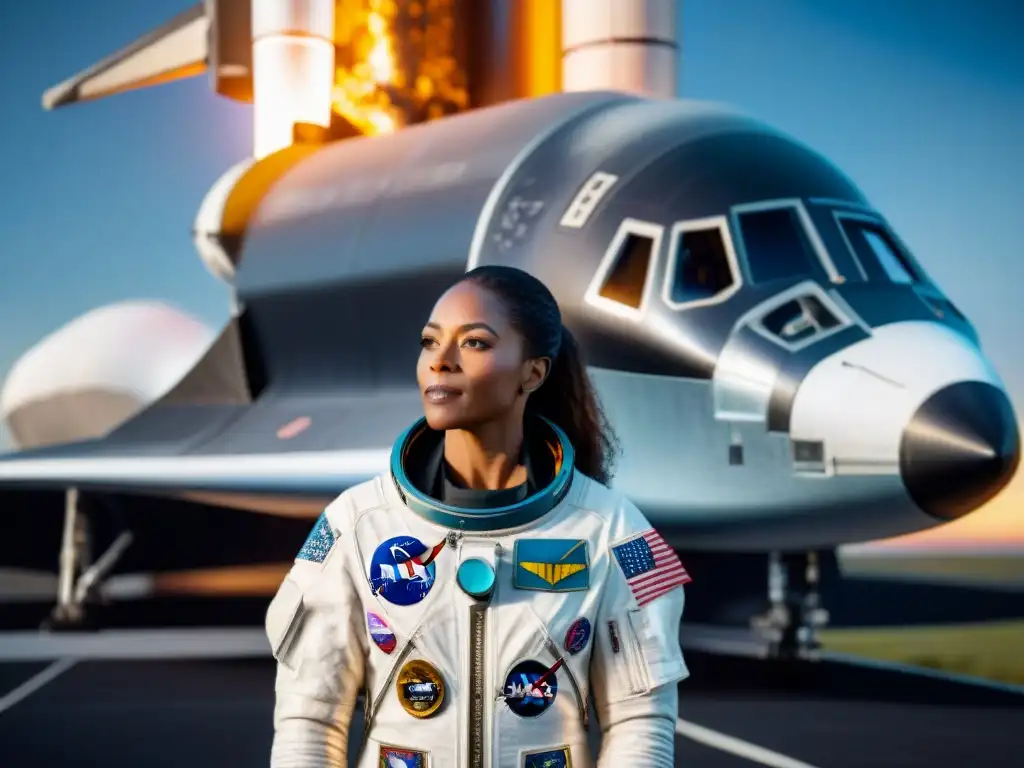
[{"x": 471, "y": 364}]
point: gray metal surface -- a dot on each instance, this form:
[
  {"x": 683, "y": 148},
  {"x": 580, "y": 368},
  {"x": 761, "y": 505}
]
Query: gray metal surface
[{"x": 350, "y": 249}]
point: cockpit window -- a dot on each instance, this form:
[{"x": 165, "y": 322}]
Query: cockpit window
[
  {"x": 800, "y": 316},
  {"x": 775, "y": 244},
  {"x": 623, "y": 277},
  {"x": 628, "y": 274},
  {"x": 701, "y": 266},
  {"x": 799, "y": 319},
  {"x": 872, "y": 244}
]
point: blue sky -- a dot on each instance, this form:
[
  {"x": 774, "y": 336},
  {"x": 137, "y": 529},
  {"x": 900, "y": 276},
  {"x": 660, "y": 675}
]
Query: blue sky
[{"x": 920, "y": 101}]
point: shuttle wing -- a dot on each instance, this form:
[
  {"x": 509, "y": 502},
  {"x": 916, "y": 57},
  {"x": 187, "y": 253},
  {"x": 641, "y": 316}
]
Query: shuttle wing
[
  {"x": 177, "y": 49},
  {"x": 285, "y": 446},
  {"x": 208, "y": 440}
]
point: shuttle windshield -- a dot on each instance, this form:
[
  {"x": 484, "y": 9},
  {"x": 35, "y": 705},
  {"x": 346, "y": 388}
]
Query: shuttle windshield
[
  {"x": 874, "y": 247},
  {"x": 778, "y": 241},
  {"x": 775, "y": 244}
]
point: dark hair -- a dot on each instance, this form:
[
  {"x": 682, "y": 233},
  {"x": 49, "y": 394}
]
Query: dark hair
[{"x": 566, "y": 397}]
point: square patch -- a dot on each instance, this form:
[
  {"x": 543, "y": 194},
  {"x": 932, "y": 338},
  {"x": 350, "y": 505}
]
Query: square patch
[
  {"x": 397, "y": 757},
  {"x": 548, "y": 758},
  {"x": 551, "y": 565}
]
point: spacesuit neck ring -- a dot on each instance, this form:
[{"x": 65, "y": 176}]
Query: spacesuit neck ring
[{"x": 531, "y": 508}]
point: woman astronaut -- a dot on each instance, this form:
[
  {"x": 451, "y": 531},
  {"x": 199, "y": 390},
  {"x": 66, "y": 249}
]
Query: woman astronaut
[{"x": 480, "y": 589}]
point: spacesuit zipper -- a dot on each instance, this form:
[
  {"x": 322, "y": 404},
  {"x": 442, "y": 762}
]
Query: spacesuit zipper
[
  {"x": 481, "y": 738},
  {"x": 477, "y": 672},
  {"x": 580, "y": 701}
]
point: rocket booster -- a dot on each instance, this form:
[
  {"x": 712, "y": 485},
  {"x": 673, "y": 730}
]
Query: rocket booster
[{"x": 622, "y": 45}]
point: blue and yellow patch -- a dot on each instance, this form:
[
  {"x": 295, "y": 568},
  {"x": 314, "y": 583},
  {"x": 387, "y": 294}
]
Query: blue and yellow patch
[
  {"x": 318, "y": 543},
  {"x": 549, "y": 758},
  {"x": 551, "y": 565}
]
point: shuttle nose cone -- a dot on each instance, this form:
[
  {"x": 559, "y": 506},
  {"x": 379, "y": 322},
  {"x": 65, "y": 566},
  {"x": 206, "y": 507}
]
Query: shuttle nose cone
[{"x": 960, "y": 448}]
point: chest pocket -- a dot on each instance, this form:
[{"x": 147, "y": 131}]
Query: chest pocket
[{"x": 283, "y": 621}]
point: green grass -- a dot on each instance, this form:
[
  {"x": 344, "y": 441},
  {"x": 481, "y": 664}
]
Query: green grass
[
  {"x": 967, "y": 569},
  {"x": 991, "y": 650},
  {"x": 994, "y": 651}
]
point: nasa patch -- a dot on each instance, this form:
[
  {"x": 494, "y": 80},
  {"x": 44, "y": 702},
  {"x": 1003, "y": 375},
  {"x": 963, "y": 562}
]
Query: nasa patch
[
  {"x": 577, "y": 636},
  {"x": 398, "y": 572},
  {"x": 396, "y": 757},
  {"x": 530, "y": 688},
  {"x": 549, "y": 758},
  {"x": 380, "y": 633}
]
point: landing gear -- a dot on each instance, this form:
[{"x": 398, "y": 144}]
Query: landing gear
[
  {"x": 791, "y": 624},
  {"x": 80, "y": 579}
]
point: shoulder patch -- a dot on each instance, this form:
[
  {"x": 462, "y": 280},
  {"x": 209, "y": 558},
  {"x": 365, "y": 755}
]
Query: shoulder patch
[
  {"x": 319, "y": 541},
  {"x": 650, "y": 566}
]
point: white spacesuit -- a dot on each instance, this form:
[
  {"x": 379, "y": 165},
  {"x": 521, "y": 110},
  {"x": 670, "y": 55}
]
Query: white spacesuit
[{"x": 475, "y": 635}]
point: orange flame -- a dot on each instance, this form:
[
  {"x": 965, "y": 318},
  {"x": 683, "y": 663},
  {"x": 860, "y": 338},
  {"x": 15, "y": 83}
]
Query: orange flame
[{"x": 357, "y": 94}]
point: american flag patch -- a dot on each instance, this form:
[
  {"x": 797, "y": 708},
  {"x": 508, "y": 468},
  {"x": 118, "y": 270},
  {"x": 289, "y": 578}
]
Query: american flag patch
[{"x": 650, "y": 566}]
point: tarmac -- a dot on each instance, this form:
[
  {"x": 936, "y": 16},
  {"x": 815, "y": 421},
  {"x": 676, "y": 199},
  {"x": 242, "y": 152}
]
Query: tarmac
[{"x": 186, "y": 698}]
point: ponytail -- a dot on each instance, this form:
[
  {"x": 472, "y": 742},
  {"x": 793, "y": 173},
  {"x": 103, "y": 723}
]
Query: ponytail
[{"x": 567, "y": 398}]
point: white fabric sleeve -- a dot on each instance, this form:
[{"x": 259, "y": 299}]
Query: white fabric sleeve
[
  {"x": 315, "y": 631},
  {"x": 640, "y": 731},
  {"x": 637, "y": 661}
]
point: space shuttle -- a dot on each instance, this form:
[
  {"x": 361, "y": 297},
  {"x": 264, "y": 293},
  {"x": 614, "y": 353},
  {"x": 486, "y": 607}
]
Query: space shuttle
[{"x": 782, "y": 372}]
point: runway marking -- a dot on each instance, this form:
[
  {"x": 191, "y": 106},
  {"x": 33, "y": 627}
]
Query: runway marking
[
  {"x": 36, "y": 682},
  {"x": 738, "y": 747},
  {"x": 136, "y": 644}
]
